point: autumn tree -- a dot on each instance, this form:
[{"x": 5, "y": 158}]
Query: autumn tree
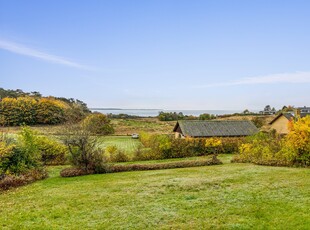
[
  {"x": 206, "y": 116},
  {"x": 17, "y": 111},
  {"x": 51, "y": 111},
  {"x": 298, "y": 140},
  {"x": 98, "y": 123},
  {"x": 18, "y": 108}
]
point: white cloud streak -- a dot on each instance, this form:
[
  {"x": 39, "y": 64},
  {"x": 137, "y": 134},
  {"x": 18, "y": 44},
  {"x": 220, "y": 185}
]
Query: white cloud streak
[
  {"x": 293, "y": 78},
  {"x": 26, "y": 51}
]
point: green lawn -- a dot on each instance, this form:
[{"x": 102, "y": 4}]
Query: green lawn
[
  {"x": 228, "y": 196},
  {"x": 125, "y": 143}
]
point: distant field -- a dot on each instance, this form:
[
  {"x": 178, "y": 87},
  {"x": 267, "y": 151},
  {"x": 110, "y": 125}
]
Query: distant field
[
  {"x": 151, "y": 125},
  {"x": 228, "y": 196},
  {"x": 41, "y": 129},
  {"x": 121, "y": 127},
  {"x": 129, "y": 126},
  {"x": 125, "y": 143}
]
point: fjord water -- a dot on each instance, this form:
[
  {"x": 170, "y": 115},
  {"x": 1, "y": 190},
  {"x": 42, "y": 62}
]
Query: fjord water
[{"x": 155, "y": 112}]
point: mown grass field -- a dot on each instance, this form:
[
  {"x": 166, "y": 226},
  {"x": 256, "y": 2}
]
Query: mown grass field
[
  {"x": 228, "y": 196},
  {"x": 125, "y": 143}
]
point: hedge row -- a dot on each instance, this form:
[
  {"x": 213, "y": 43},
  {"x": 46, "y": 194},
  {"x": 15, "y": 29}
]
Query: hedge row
[
  {"x": 165, "y": 147},
  {"x": 10, "y": 181},
  {"x": 71, "y": 172}
]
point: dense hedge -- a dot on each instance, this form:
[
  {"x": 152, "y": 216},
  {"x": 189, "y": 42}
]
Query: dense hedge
[
  {"x": 169, "y": 165},
  {"x": 164, "y": 146},
  {"x": 10, "y": 181},
  {"x": 112, "y": 168}
]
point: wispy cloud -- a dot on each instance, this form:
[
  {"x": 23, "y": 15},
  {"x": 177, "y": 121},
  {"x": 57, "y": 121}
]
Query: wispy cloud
[
  {"x": 26, "y": 51},
  {"x": 297, "y": 77}
]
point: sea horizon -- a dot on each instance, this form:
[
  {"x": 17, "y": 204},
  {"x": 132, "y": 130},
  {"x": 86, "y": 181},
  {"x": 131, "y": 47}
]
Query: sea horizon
[{"x": 155, "y": 112}]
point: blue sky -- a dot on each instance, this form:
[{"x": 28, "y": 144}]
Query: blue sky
[{"x": 167, "y": 54}]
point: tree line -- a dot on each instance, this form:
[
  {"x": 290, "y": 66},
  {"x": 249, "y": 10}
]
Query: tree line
[
  {"x": 18, "y": 107},
  {"x": 174, "y": 116}
]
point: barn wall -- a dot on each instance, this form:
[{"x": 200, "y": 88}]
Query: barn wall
[{"x": 178, "y": 133}]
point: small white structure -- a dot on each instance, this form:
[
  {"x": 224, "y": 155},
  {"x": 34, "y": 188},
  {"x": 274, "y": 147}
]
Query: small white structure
[{"x": 135, "y": 136}]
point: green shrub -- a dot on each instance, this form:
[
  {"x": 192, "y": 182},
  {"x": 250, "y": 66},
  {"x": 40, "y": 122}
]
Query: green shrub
[
  {"x": 113, "y": 154},
  {"x": 17, "y": 158},
  {"x": 182, "y": 148},
  {"x": 119, "y": 156},
  {"x": 157, "y": 146},
  {"x": 52, "y": 152},
  {"x": 259, "y": 121},
  {"x": 231, "y": 144},
  {"x": 206, "y": 116},
  {"x": 98, "y": 123},
  {"x": 145, "y": 154},
  {"x": 170, "y": 116},
  {"x": 83, "y": 149}
]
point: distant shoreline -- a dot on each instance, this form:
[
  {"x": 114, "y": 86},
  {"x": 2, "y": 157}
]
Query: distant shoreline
[
  {"x": 155, "y": 112},
  {"x": 120, "y": 109}
]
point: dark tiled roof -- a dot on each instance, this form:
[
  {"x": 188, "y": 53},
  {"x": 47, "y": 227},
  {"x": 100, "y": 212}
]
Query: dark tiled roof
[
  {"x": 288, "y": 116},
  {"x": 216, "y": 128},
  {"x": 305, "y": 107},
  {"x": 304, "y": 111},
  {"x": 304, "y": 115}
]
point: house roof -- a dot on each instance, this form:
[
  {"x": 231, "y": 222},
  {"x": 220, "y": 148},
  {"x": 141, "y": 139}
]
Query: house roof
[
  {"x": 304, "y": 111},
  {"x": 304, "y": 115},
  {"x": 288, "y": 116},
  {"x": 305, "y": 107},
  {"x": 196, "y": 128}
]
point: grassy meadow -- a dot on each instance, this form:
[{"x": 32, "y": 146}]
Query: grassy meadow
[
  {"x": 125, "y": 143},
  {"x": 228, "y": 196},
  {"x": 122, "y": 127},
  {"x": 150, "y": 125}
]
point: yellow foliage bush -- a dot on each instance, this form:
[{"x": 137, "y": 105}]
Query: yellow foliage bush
[
  {"x": 298, "y": 141},
  {"x": 213, "y": 142},
  {"x": 271, "y": 149}
]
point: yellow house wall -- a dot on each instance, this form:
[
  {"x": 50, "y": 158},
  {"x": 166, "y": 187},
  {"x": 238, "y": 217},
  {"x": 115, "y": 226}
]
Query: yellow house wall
[
  {"x": 280, "y": 125},
  {"x": 178, "y": 135}
]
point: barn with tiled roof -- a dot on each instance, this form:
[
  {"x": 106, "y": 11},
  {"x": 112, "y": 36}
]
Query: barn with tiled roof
[{"x": 196, "y": 128}]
